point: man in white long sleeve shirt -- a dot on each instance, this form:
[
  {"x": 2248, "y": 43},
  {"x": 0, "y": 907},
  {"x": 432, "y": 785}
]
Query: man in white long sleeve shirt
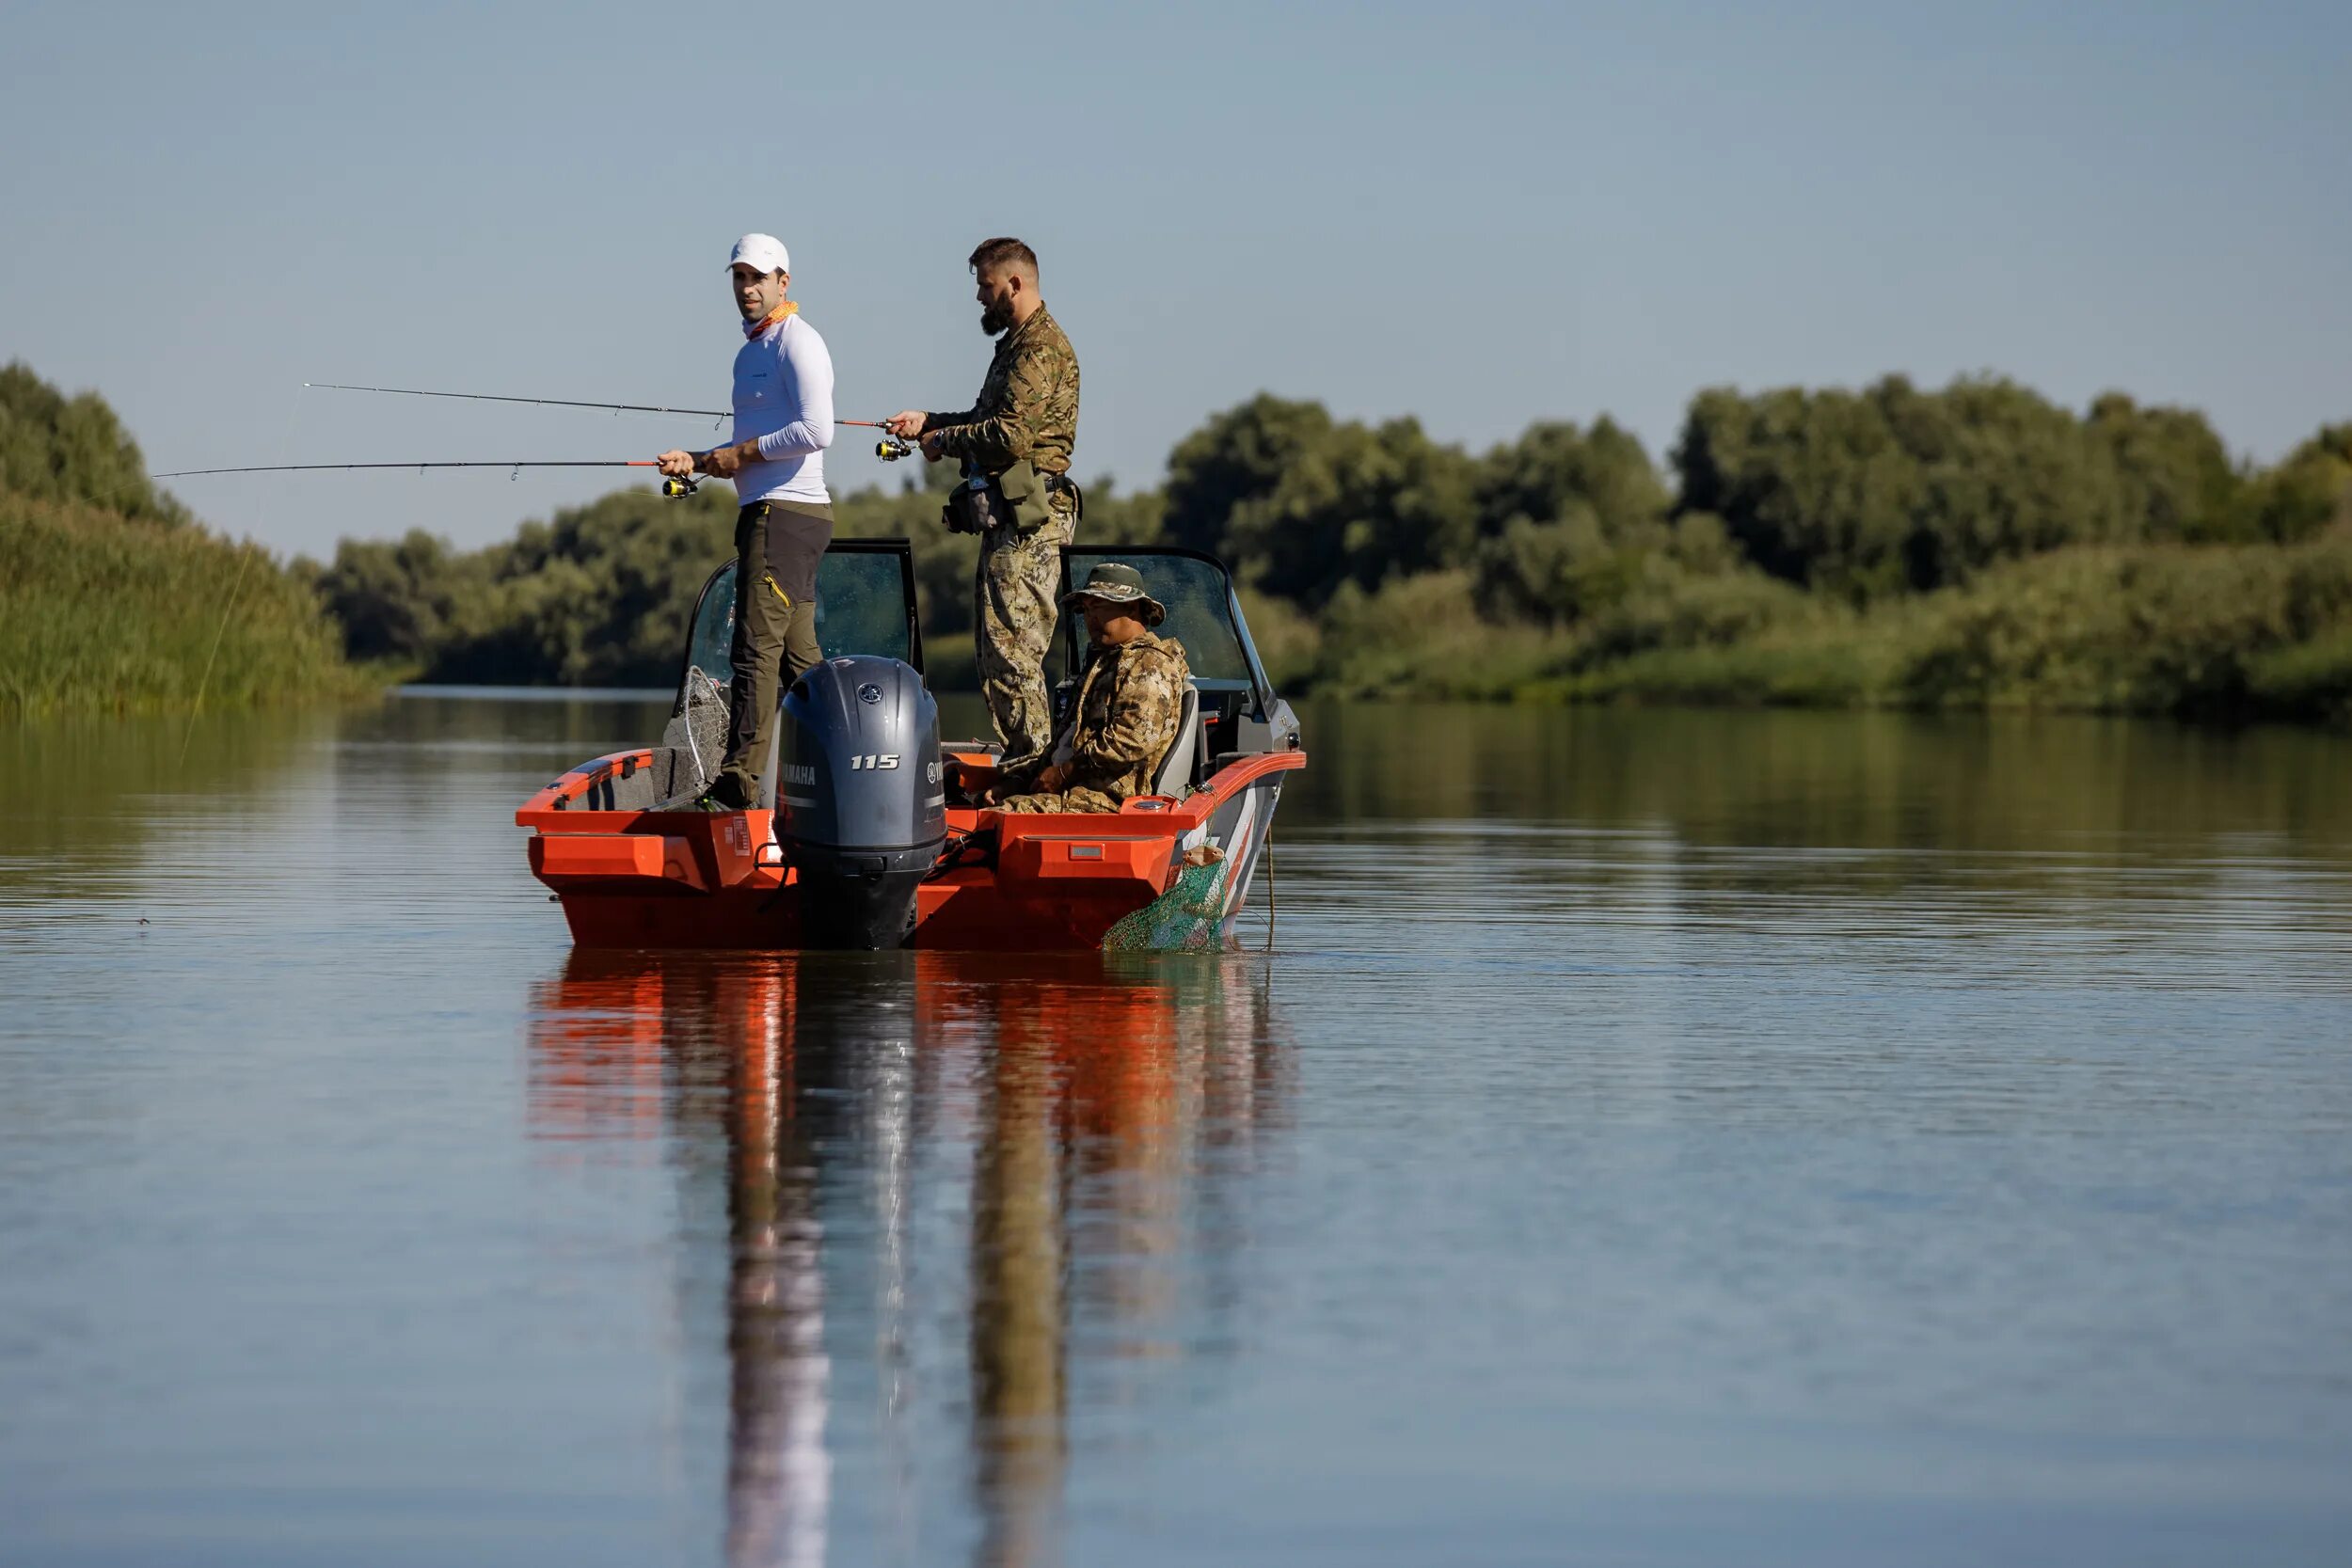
[{"x": 783, "y": 425}]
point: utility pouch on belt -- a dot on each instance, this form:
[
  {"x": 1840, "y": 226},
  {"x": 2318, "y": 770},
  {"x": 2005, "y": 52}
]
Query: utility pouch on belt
[
  {"x": 1015, "y": 498},
  {"x": 1023, "y": 490},
  {"x": 976, "y": 505}
]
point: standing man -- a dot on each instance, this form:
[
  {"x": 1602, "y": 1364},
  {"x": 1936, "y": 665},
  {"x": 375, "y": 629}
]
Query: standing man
[
  {"x": 1014, "y": 444},
  {"x": 783, "y": 425}
]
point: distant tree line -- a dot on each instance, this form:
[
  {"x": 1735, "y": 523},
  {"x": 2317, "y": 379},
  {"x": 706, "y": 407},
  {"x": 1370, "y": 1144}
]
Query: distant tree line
[
  {"x": 1798, "y": 545},
  {"x": 1861, "y": 495},
  {"x": 1976, "y": 546}
]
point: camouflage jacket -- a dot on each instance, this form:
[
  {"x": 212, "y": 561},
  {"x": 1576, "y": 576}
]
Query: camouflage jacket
[
  {"x": 1029, "y": 404},
  {"x": 1129, "y": 702}
]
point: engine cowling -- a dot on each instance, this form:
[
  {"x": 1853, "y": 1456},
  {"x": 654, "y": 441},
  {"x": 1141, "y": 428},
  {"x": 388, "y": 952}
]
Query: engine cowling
[{"x": 860, "y": 808}]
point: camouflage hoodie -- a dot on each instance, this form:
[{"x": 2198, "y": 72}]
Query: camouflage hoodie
[
  {"x": 1028, "y": 405},
  {"x": 1129, "y": 702}
]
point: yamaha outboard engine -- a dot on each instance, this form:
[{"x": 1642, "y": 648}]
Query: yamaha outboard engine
[{"x": 862, "y": 813}]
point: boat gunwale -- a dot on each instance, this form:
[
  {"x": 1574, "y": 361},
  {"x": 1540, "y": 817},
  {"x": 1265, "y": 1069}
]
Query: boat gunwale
[{"x": 542, "y": 812}]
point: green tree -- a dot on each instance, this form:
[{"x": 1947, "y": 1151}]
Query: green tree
[
  {"x": 2177, "y": 475},
  {"x": 394, "y": 599},
  {"x": 58, "y": 448},
  {"x": 1298, "y": 504},
  {"x": 1555, "y": 467},
  {"x": 2307, "y": 492},
  {"x": 1238, "y": 457},
  {"x": 601, "y": 594},
  {"x": 1894, "y": 490}
]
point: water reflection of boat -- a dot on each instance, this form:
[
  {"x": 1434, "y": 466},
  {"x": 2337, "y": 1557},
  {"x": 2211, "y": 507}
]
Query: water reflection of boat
[
  {"x": 1073, "y": 1100},
  {"x": 863, "y": 850}
]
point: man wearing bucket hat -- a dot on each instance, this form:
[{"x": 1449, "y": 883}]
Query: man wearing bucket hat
[
  {"x": 1129, "y": 702},
  {"x": 783, "y": 425}
]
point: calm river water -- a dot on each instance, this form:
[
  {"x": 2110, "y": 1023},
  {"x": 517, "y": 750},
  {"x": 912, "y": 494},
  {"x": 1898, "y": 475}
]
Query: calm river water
[{"x": 1652, "y": 1138}]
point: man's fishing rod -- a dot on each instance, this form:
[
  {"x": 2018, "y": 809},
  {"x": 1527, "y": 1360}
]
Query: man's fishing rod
[
  {"x": 889, "y": 450},
  {"x": 551, "y": 402},
  {"x": 672, "y": 487}
]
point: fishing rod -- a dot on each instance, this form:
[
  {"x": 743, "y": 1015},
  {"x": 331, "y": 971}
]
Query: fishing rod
[
  {"x": 551, "y": 402},
  {"x": 890, "y": 448},
  {"x": 673, "y": 487}
]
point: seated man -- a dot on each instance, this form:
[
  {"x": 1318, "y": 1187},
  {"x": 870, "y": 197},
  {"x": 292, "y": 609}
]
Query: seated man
[{"x": 1129, "y": 702}]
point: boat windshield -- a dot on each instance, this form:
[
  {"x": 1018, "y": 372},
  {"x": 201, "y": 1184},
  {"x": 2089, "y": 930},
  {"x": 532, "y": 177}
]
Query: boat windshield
[
  {"x": 1201, "y": 613},
  {"x": 864, "y": 598}
]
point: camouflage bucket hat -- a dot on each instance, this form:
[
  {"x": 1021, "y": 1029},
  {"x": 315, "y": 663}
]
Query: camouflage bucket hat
[{"x": 1118, "y": 584}]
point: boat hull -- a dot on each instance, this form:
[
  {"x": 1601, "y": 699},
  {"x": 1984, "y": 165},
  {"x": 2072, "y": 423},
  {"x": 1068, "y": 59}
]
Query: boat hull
[{"x": 1161, "y": 874}]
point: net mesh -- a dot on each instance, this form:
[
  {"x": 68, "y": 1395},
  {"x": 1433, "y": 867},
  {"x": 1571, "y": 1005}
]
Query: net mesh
[
  {"x": 1187, "y": 918},
  {"x": 699, "y": 734}
]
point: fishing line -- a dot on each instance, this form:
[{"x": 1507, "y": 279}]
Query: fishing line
[{"x": 1266, "y": 850}]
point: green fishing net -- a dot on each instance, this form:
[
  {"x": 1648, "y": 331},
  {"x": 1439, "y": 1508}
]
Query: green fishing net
[{"x": 1186, "y": 918}]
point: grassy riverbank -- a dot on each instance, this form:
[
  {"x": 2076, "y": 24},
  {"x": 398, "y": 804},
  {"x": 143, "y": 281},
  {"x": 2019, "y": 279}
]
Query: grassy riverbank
[
  {"x": 2251, "y": 632},
  {"x": 114, "y": 600},
  {"x": 102, "y": 613},
  {"x": 1973, "y": 548}
]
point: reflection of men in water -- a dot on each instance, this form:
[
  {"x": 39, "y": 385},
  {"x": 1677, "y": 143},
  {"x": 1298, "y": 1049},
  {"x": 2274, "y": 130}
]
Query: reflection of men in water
[
  {"x": 1129, "y": 704},
  {"x": 783, "y": 425},
  {"x": 1108, "y": 1105}
]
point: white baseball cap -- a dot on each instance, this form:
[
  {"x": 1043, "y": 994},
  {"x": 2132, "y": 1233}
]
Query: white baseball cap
[{"x": 764, "y": 251}]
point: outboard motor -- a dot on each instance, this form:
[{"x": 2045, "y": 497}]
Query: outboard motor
[{"x": 862, "y": 811}]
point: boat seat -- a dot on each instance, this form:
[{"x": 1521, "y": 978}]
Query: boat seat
[{"x": 1174, "y": 775}]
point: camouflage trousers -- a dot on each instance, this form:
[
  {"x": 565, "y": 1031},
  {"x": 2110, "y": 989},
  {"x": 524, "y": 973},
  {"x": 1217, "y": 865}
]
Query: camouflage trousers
[
  {"x": 1080, "y": 798},
  {"x": 1012, "y": 627}
]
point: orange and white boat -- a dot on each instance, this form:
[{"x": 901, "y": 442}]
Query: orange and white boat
[{"x": 860, "y": 847}]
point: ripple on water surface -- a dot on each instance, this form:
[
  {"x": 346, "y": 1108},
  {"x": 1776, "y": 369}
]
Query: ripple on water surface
[{"x": 1665, "y": 1138}]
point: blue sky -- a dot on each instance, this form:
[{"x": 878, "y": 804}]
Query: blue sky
[{"x": 1479, "y": 215}]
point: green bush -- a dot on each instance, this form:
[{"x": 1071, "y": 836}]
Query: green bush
[
  {"x": 2307, "y": 681},
  {"x": 1894, "y": 490},
  {"x": 113, "y": 600},
  {"x": 104, "y": 614},
  {"x": 1673, "y": 610},
  {"x": 1422, "y": 636},
  {"x": 2165, "y": 629},
  {"x": 1290, "y": 644},
  {"x": 54, "y": 448}
]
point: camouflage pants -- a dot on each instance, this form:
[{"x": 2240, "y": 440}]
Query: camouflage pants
[
  {"x": 1080, "y": 798},
  {"x": 1012, "y": 625}
]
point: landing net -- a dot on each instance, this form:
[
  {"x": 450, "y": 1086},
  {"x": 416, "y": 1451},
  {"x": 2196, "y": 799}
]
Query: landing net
[{"x": 1187, "y": 918}]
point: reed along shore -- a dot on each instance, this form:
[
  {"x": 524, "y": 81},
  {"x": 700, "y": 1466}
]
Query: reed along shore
[{"x": 115, "y": 600}]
